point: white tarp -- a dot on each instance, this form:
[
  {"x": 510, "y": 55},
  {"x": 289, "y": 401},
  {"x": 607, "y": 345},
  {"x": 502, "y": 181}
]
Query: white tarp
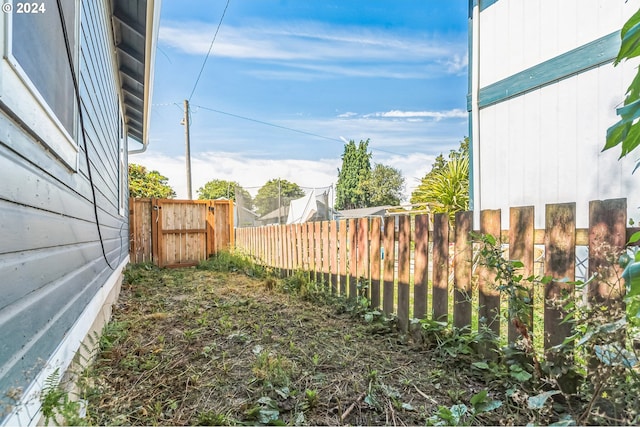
[{"x": 303, "y": 209}]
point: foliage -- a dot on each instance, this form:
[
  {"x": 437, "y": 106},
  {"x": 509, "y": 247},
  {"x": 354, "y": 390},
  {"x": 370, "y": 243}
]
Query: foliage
[
  {"x": 57, "y": 406},
  {"x": 143, "y": 183},
  {"x": 627, "y": 130},
  {"x": 461, "y": 414},
  {"x": 220, "y": 188},
  {"x": 385, "y": 186},
  {"x": 352, "y": 190},
  {"x": 445, "y": 188},
  {"x": 446, "y": 191},
  {"x": 276, "y": 192},
  {"x": 232, "y": 262},
  {"x": 590, "y": 378}
]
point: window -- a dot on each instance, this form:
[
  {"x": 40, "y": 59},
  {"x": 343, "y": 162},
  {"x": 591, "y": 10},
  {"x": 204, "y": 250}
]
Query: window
[{"x": 36, "y": 77}]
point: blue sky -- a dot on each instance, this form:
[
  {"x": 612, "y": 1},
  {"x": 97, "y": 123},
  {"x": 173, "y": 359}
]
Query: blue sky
[{"x": 393, "y": 71}]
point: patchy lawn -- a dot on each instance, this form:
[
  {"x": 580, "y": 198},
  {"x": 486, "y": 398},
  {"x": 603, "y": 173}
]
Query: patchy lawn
[{"x": 194, "y": 346}]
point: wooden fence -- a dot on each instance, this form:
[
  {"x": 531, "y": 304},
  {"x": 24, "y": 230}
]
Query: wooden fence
[
  {"x": 178, "y": 233},
  {"x": 406, "y": 260}
]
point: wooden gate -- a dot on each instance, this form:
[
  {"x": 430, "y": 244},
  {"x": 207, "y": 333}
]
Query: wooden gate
[{"x": 179, "y": 233}]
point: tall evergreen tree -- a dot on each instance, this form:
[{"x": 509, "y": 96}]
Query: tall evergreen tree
[{"x": 352, "y": 190}]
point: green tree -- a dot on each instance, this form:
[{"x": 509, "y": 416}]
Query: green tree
[
  {"x": 143, "y": 183},
  {"x": 627, "y": 130},
  {"x": 352, "y": 190},
  {"x": 445, "y": 188},
  {"x": 276, "y": 192},
  {"x": 385, "y": 186},
  {"x": 220, "y": 188}
]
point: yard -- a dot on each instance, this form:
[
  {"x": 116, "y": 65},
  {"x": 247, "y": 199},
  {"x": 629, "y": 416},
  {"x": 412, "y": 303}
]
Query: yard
[{"x": 211, "y": 347}]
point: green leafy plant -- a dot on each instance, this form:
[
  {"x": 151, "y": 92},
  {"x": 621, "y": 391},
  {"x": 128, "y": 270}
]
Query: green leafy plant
[
  {"x": 58, "y": 406},
  {"x": 463, "y": 415}
]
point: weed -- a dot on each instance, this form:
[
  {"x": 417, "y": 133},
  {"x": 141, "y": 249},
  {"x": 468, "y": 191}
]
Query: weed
[
  {"x": 210, "y": 418},
  {"x": 463, "y": 415},
  {"x": 57, "y": 405},
  {"x": 234, "y": 262}
]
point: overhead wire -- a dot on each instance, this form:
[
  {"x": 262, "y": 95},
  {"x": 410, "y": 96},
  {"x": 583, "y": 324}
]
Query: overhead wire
[
  {"x": 209, "y": 52},
  {"x": 287, "y": 128}
]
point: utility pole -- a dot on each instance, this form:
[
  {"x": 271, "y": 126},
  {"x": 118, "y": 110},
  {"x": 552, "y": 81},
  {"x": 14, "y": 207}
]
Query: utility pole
[{"x": 187, "y": 142}]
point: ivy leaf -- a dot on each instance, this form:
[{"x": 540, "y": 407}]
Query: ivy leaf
[{"x": 537, "y": 402}]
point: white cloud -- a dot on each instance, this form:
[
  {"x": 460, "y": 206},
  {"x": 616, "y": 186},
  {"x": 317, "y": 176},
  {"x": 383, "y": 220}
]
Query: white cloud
[
  {"x": 456, "y": 113},
  {"x": 322, "y": 48},
  {"x": 249, "y": 172},
  {"x": 252, "y": 173}
]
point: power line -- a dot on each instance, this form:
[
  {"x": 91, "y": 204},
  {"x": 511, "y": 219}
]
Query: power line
[
  {"x": 287, "y": 128},
  {"x": 209, "y": 52}
]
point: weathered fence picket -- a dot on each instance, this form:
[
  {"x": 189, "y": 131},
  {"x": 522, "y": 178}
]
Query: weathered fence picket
[{"x": 407, "y": 258}]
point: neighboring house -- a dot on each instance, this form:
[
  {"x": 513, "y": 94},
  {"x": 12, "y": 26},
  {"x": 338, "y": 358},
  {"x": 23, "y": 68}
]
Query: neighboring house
[
  {"x": 543, "y": 91},
  {"x": 277, "y": 216},
  {"x": 363, "y": 212},
  {"x": 64, "y": 223}
]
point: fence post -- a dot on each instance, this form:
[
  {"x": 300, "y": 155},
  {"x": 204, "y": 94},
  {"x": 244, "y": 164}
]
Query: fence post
[
  {"x": 440, "y": 296},
  {"x": 389, "y": 246},
  {"x": 333, "y": 238},
  {"x": 342, "y": 255},
  {"x": 462, "y": 263},
  {"x": 404, "y": 260},
  {"x": 353, "y": 260},
  {"x": 363, "y": 251},
  {"x": 421, "y": 266},
  {"x": 489, "y": 297},
  {"x": 560, "y": 256},
  {"x": 521, "y": 248},
  {"x": 607, "y": 240},
  {"x": 375, "y": 262}
]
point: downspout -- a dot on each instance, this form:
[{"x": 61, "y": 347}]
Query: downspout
[
  {"x": 153, "y": 22},
  {"x": 474, "y": 148}
]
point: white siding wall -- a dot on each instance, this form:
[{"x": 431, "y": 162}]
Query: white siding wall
[
  {"x": 544, "y": 146},
  {"x": 518, "y": 34}
]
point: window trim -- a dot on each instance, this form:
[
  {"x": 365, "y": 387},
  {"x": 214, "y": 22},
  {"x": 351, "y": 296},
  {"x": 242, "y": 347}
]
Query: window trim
[{"x": 22, "y": 99}]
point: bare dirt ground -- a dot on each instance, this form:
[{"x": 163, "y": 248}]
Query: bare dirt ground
[{"x": 192, "y": 346}]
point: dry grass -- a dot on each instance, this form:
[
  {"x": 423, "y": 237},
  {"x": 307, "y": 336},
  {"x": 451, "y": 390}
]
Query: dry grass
[{"x": 190, "y": 346}]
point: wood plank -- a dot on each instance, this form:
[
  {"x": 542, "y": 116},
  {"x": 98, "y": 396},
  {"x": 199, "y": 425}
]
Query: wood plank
[
  {"x": 317, "y": 237},
  {"x": 404, "y": 261},
  {"x": 333, "y": 238},
  {"x": 290, "y": 244},
  {"x": 489, "y": 296},
  {"x": 389, "y": 248},
  {"x": 421, "y": 266},
  {"x": 440, "y": 296},
  {"x": 521, "y": 248},
  {"x": 326, "y": 250},
  {"x": 560, "y": 220},
  {"x": 607, "y": 241},
  {"x": 463, "y": 262},
  {"x": 312, "y": 251},
  {"x": 304, "y": 240},
  {"x": 352, "y": 250},
  {"x": 362, "y": 257},
  {"x": 155, "y": 236},
  {"x": 342, "y": 255},
  {"x": 376, "y": 225}
]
